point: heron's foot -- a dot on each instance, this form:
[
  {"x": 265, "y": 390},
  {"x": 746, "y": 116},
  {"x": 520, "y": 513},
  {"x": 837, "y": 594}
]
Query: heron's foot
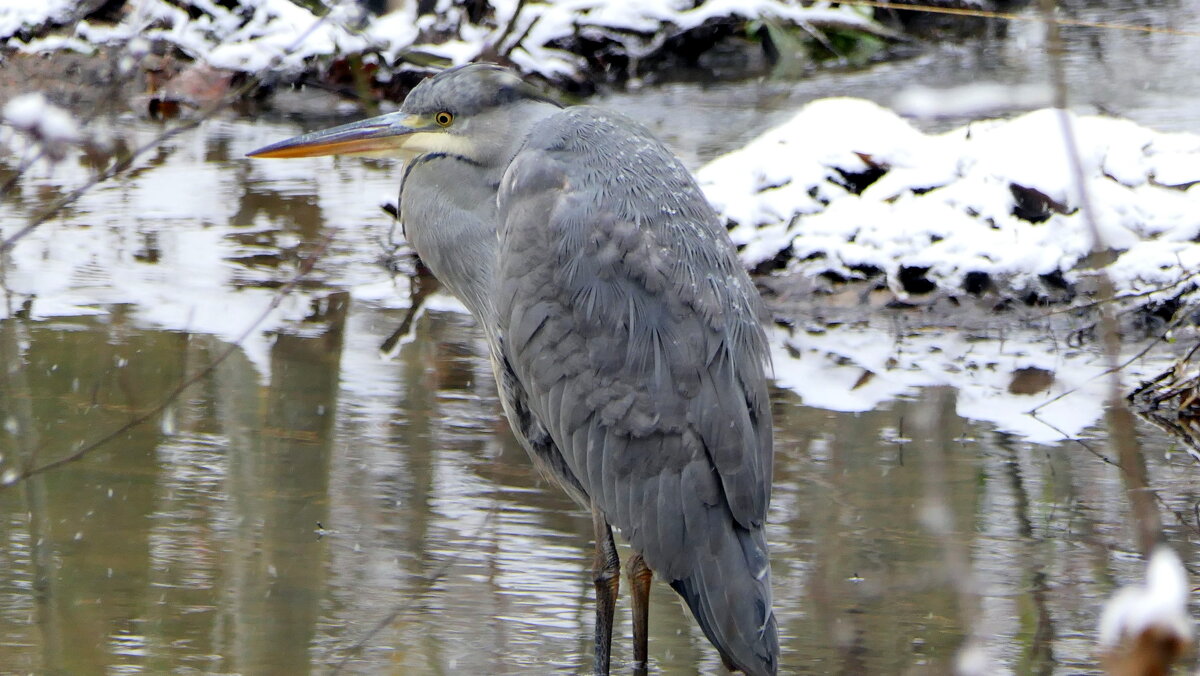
[
  {"x": 640, "y": 576},
  {"x": 606, "y": 573}
]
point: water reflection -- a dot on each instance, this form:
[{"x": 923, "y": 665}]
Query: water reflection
[{"x": 194, "y": 543}]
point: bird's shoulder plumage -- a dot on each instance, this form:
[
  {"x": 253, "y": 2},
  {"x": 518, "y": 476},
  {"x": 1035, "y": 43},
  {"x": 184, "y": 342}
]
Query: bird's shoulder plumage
[{"x": 633, "y": 331}]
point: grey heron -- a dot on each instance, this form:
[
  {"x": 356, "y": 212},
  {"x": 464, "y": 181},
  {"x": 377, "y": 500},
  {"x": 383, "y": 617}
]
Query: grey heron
[{"x": 625, "y": 337}]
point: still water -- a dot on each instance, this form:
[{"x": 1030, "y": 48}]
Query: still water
[{"x": 317, "y": 504}]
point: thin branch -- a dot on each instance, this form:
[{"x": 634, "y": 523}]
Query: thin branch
[
  {"x": 1067, "y": 437},
  {"x": 1115, "y": 368},
  {"x": 26, "y": 162},
  {"x": 520, "y": 39},
  {"x": 1171, "y": 372},
  {"x": 508, "y": 28},
  {"x": 1129, "y": 296}
]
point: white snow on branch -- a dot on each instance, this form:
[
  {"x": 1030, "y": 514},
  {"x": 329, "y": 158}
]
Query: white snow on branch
[
  {"x": 33, "y": 128},
  {"x": 1159, "y": 606}
]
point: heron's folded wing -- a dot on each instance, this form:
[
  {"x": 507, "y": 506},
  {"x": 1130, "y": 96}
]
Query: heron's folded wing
[{"x": 626, "y": 317}]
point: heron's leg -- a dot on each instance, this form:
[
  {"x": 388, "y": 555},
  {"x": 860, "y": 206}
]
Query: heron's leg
[
  {"x": 606, "y": 572},
  {"x": 639, "y": 586}
]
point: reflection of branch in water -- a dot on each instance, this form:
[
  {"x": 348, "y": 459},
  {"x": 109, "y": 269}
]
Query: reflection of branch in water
[
  {"x": 1066, "y": 437},
  {"x": 305, "y": 268},
  {"x": 122, "y": 166},
  {"x": 1040, "y": 652},
  {"x": 421, "y": 285},
  {"x": 429, "y": 580},
  {"x": 1195, "y": 527},
  {"x": 938, "y": 517}
]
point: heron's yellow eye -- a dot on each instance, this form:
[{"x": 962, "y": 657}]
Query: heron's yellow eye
[{"x": 443, "y": 118}]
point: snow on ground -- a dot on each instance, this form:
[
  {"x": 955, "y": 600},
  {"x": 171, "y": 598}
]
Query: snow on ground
[
  {"x": 257, "y": 36},
  {"x": 848, "y": 188},
  {"x": 16, "y": 15},
  {"x": 279, "y": 35}
]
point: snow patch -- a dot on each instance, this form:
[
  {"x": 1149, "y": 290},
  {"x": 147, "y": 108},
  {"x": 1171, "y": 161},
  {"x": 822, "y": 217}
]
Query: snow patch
[{"x": 849, "y": 188}]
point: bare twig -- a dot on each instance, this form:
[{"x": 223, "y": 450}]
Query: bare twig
[
  {"x": 1067, "y": 437},
  {"x": 1115, "y": 369},
  {"x": 1171, "y": 372},
  {"x": 508, "y": 28},
  {"x": 1193, "y": 276},
  {"x": 506, "y": 51}
]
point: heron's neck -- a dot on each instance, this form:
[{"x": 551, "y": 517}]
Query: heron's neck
[{"x": 448, "y": 208}]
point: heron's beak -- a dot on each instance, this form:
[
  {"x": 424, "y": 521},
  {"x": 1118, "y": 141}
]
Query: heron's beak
[{"x": 391, "y": 135}]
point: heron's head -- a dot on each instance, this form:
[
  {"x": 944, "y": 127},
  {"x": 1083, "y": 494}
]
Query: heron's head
[{"x": 478, "y": 111}]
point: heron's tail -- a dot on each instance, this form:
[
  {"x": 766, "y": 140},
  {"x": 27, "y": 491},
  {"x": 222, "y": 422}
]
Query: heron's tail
[{"x": 729, "y": 592}]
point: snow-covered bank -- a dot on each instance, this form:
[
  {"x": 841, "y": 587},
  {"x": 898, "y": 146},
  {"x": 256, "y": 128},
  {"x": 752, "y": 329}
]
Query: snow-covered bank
[
  {"x": 848, "y": 190},
  {"x": 562, "y": 41}
]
